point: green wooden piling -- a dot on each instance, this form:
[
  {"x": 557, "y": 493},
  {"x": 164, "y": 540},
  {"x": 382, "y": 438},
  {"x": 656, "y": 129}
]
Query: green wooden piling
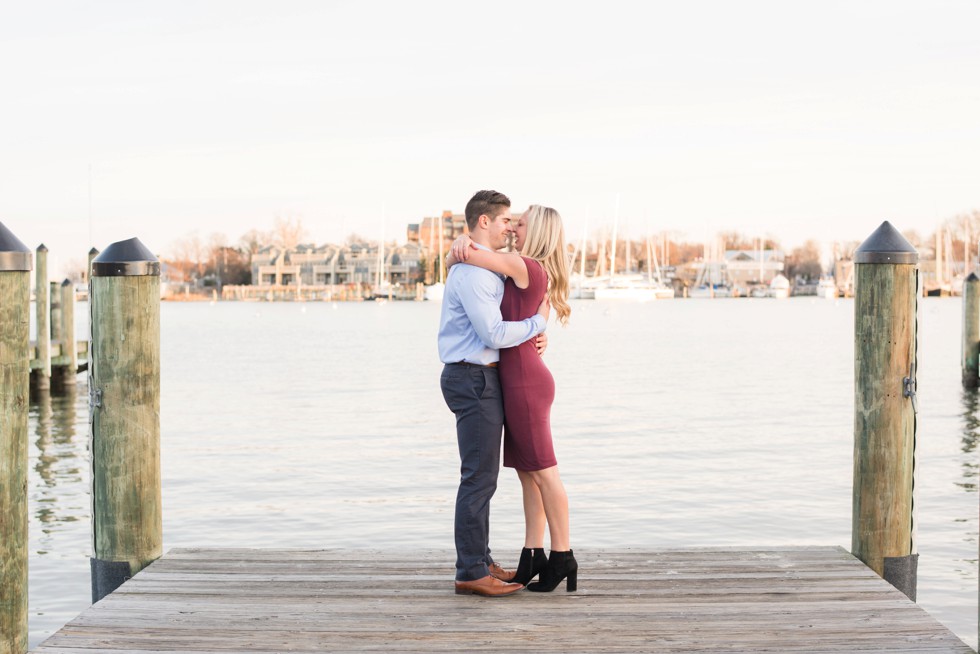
[
  {"x": 884, "y": 406},
  {"x": 15, "y": 354},
  {"x": 69, "y": 346},
  {"x": 54, "y": 298},
  {"x": 971, "y": 331},
  {"x": 124, "y": 389},
  {"x": 42, "y": 376},
  {"x": 94, "y": 252}
]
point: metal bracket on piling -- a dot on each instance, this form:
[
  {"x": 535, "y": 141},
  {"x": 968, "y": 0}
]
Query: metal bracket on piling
[
  {"x": 908, "y": 389},
  {"x": 94, "y": 398}
]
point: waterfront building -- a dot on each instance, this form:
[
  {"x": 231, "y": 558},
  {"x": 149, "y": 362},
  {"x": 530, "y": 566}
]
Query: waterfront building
[
  {"x": 747, "y": 267},
  {"x": 329, "y": 265}
]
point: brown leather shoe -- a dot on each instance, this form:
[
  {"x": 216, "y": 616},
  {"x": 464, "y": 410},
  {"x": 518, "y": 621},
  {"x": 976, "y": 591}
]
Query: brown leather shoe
[
  {"x": 488, "y": 586},
  {"x": 501, "y": 574}
]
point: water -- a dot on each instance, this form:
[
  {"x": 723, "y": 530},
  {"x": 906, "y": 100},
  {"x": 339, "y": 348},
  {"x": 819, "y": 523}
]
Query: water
[{"x": 677, "y": 423}]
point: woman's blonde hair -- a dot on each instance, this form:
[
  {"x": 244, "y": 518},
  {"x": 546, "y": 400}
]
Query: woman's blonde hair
[{"x": 545, "y": 242}]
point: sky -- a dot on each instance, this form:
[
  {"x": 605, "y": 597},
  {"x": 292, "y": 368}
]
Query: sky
[{"x": 784, "y": 118}]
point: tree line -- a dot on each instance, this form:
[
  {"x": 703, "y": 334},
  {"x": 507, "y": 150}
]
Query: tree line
[{"x": 218, "y": 261}]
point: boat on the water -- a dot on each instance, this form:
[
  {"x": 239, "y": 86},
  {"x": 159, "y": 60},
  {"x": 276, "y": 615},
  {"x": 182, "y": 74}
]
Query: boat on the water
[
  {"x": 632, "y": 288},
  {"x": 434, "y": 292},
  {"x": 827, "y": 288},
  {"x": 779, "y": 287},
  {"x": 703, "y": 291}
]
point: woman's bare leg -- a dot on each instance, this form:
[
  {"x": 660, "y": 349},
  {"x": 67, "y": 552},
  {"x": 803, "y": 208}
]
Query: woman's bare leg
[
  {"x": 534, "y": 515},
  {"x": 555, "y": 502}
]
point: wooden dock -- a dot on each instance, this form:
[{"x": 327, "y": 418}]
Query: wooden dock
[
  {"x": 60, "y": 357},
  {"x": 813, "y": 599}
]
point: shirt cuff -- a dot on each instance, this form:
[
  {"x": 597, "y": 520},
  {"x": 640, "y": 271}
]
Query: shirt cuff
[{"x": 539, "y": 323}]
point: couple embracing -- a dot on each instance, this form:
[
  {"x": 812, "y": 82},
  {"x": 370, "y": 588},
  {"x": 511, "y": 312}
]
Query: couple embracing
[{"x": 494, "y": 379}]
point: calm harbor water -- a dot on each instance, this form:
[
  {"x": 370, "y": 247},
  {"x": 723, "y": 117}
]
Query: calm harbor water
[{"x": 677, "y": 423}]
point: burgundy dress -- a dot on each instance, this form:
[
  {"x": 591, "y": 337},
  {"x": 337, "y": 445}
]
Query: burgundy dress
[{"x": 527, "y": 385}]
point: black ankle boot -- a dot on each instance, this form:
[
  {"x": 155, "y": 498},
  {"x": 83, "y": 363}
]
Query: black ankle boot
[
  {"x": 561, "y": 565},
  {"x": 533, "y": 561}
]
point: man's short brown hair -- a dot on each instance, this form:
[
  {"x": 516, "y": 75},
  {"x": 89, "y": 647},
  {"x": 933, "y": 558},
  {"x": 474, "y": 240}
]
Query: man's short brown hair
[{"x": 490, "y": 203}]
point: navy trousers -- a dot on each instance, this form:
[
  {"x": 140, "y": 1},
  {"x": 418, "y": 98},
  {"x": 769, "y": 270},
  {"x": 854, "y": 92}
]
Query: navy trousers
[{"x": 473, "y": 394}]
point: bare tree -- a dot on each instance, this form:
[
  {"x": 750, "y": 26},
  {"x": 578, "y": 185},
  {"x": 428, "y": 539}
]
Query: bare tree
[
  {"x": 288, "y": 231},
  {"x": 253, "y": 240},
  {"x": 804, "y": 262}
]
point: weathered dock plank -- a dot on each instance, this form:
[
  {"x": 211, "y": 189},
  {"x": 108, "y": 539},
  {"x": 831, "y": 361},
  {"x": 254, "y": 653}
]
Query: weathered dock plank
[{"x": 730, "y": 599}]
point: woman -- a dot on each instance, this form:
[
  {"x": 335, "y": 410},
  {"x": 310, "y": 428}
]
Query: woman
[{"x": 529, "y": 390}]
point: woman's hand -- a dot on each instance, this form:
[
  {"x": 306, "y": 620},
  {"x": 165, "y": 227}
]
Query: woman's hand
[
  {"x": 461, "y": 247},
  {"x": 541, "y": 343}
]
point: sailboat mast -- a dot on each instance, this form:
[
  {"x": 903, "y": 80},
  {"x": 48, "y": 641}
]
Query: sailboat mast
[
  {"x": 650, "y": 260},
  {"x": 615, "y": 232},
  {"x": 432, "y": 231},
  {"x": 442, "y": 261},
  {"x": 381, "y": 249},
  {"x": 762, "y": 274}
]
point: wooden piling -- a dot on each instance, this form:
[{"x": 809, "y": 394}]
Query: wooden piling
[
  {"x": 94, "y": 252},
  {"x": 69, "y": 346},
  {"x": 885, "y": 406},
  {"x": 42, "y": 376},
  {"x": 54, "y": 298},
  {"x": 971, "y": 331},
  {"x": 15, "y": 320},
  {"x": 124, "y": 389}
]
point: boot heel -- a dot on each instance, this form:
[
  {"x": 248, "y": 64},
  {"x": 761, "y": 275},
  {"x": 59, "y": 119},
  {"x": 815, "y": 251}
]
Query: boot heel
[{"x": 561, "y": 566}]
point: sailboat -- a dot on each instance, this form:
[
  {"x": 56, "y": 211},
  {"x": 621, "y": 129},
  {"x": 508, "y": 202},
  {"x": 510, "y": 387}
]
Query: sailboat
[
  {"x": 382, "y": 286},
  {"x": 434, "y": 292},
  {"x": 661, "y": 289},
  {"x": 626, "y": 286},
  {"x": 706, "y": 285},
  {"x": 580, "y": 288}
]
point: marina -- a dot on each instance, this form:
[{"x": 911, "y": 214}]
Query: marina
[{"x": 814, "y": 600}]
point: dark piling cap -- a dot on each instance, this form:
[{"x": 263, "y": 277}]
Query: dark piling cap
[
  {"x": 94, "y": 251},
  {"x": 128, "y": 258},
  {"x": 42, "y": 248},
  {"x": 972, "y": 278},
  {"x": 14, "y": 255},
  {"x": 886, "y": 245}
]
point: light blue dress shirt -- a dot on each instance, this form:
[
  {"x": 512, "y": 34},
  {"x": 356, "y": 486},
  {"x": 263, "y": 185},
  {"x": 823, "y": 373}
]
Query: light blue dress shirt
[{"x": 471, "y": 328}]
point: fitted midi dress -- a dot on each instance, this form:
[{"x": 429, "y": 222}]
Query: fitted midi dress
[{"x": 527, "y": 385}]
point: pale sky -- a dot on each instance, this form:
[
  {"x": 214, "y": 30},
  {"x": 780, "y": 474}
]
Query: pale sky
[{"x": 791, "y": 118}]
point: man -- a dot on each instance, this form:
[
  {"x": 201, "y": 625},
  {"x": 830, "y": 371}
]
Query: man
[{"x": 471, "y": 333}]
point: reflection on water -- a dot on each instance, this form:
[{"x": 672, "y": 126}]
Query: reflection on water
[
  {"x": 59, "y": 509},
  {"x": 55, "y": 417},
  {"x": 971, "y": 429}
]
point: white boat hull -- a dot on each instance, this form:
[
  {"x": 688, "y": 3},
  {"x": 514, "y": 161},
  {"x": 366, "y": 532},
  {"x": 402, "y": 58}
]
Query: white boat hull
[
  {"x": 631, "y": 294},
  {"x": 435, "y": 292},
  {"x": 779, "y": 293},
  {"x": 703, "y": 292}
]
